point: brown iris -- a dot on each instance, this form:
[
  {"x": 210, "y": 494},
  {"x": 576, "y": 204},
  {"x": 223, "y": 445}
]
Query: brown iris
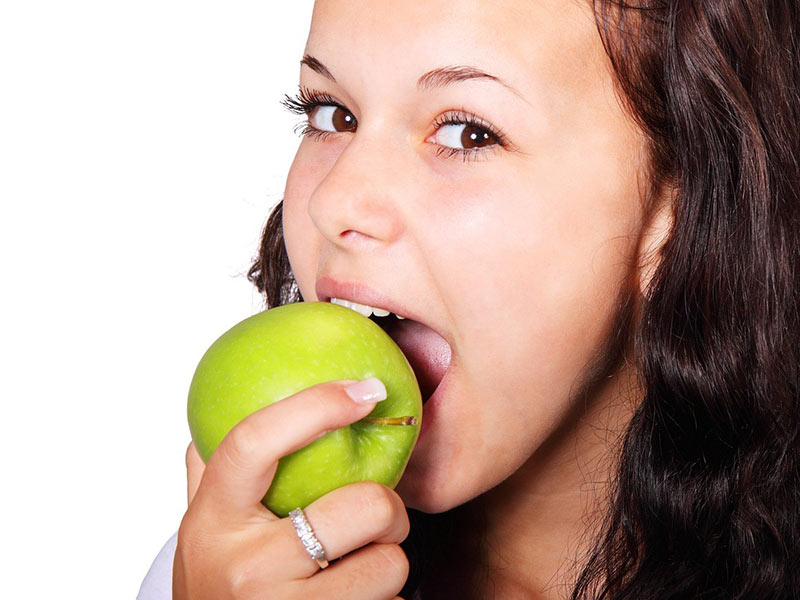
[
  {"x": 475, "y": 137},
  {"x": 343, "y": 120}
]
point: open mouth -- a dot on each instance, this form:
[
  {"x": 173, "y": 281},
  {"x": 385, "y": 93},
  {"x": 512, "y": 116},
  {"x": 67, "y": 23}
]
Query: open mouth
[{"x": 427, "y": 352}]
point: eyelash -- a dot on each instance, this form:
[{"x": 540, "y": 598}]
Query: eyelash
[{"x": 307, "y": 100}]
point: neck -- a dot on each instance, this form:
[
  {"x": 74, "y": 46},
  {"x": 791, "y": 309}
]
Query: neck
[{"x": 540, "y": 521}]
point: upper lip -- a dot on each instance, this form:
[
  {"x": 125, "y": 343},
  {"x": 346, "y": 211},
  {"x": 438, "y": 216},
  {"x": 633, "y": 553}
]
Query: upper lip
[{"x": 328, "y": 287}]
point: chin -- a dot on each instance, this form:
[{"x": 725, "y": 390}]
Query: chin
[
  {"x": 424, "y": 491},
  {"x": 427, "y": 501}
]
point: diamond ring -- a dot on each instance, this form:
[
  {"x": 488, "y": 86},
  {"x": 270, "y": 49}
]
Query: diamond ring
[{"x": 306, "y": 535}]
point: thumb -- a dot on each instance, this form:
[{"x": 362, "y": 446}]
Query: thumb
[{"x": 194, "y": 471}]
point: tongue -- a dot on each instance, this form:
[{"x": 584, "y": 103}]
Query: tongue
[{"x": 426, "y": 351}]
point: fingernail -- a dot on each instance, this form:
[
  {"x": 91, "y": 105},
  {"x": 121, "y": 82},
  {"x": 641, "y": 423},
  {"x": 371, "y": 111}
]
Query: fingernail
[{"x": 366, "y": 391}]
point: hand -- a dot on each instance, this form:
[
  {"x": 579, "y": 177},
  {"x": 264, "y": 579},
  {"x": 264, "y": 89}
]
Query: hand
[{"x": 231, "y": 546}]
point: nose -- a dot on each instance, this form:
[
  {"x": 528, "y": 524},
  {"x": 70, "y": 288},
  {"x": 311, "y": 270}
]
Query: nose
[{"x": 359, "y": 200}]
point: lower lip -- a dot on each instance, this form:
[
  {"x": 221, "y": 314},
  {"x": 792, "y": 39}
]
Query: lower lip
[{"x": 431, "y": 407}]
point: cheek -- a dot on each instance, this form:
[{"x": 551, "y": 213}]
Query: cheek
[
  {"x": 300, "y": 236},
  {"x": 534, "y": 270}
]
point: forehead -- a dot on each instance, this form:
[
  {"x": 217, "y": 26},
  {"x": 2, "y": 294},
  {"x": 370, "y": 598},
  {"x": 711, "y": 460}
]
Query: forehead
[{"x": 529, "y": 44}]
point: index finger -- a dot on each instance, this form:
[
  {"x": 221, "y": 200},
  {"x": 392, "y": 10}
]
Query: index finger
[{"x": 240, "y": 470}]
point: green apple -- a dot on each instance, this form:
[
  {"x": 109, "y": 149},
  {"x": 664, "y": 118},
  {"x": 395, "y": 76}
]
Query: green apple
[{"x": 281, "y": 351}]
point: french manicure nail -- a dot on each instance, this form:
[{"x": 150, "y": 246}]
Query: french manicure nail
[{"x": 367, "y": 391}]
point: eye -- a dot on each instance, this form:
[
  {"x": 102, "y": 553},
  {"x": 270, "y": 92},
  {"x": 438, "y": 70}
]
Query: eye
[
  {"x": 326, "y": 117},
  {"x": 463, "y": 136},
  {"x": 459, "y": 133}
]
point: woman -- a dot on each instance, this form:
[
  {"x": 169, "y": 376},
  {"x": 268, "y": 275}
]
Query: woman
[{"x": 601, "y": 235}]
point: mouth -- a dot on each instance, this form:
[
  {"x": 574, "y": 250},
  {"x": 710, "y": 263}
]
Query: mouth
[{"x": 427, "y": 350}]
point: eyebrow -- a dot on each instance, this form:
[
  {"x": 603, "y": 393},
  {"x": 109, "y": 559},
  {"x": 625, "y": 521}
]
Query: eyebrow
[{"x": 437, "y": 78}]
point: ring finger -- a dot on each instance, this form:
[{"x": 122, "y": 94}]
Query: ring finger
[{"x": 344, "y": 520}]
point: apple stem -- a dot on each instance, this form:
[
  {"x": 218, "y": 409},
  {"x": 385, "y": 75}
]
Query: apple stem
[{"x": 390, "y": 420}]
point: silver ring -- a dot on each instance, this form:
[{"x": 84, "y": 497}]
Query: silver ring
[{"x": 306, "y": 535}]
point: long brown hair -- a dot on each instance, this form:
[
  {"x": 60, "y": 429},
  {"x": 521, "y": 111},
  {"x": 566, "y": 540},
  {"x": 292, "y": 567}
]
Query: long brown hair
[
  {"x": 706, "y": 501},
  {"x": 707, "y": 491}
]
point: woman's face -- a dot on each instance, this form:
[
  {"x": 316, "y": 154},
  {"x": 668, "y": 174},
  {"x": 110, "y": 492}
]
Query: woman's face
[{"x": 516, "y": 253}]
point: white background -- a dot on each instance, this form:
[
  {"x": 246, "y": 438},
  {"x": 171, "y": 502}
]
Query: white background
[{"x": 142, "y": 145}]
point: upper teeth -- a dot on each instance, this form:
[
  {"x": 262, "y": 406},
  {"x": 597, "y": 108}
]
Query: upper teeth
[{"x": 363, "y": 308}]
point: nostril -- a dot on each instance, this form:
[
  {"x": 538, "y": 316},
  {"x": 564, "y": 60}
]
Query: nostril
[
  {"x": 352, "y": 233},
  {"x": 354, "y": 238}
]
